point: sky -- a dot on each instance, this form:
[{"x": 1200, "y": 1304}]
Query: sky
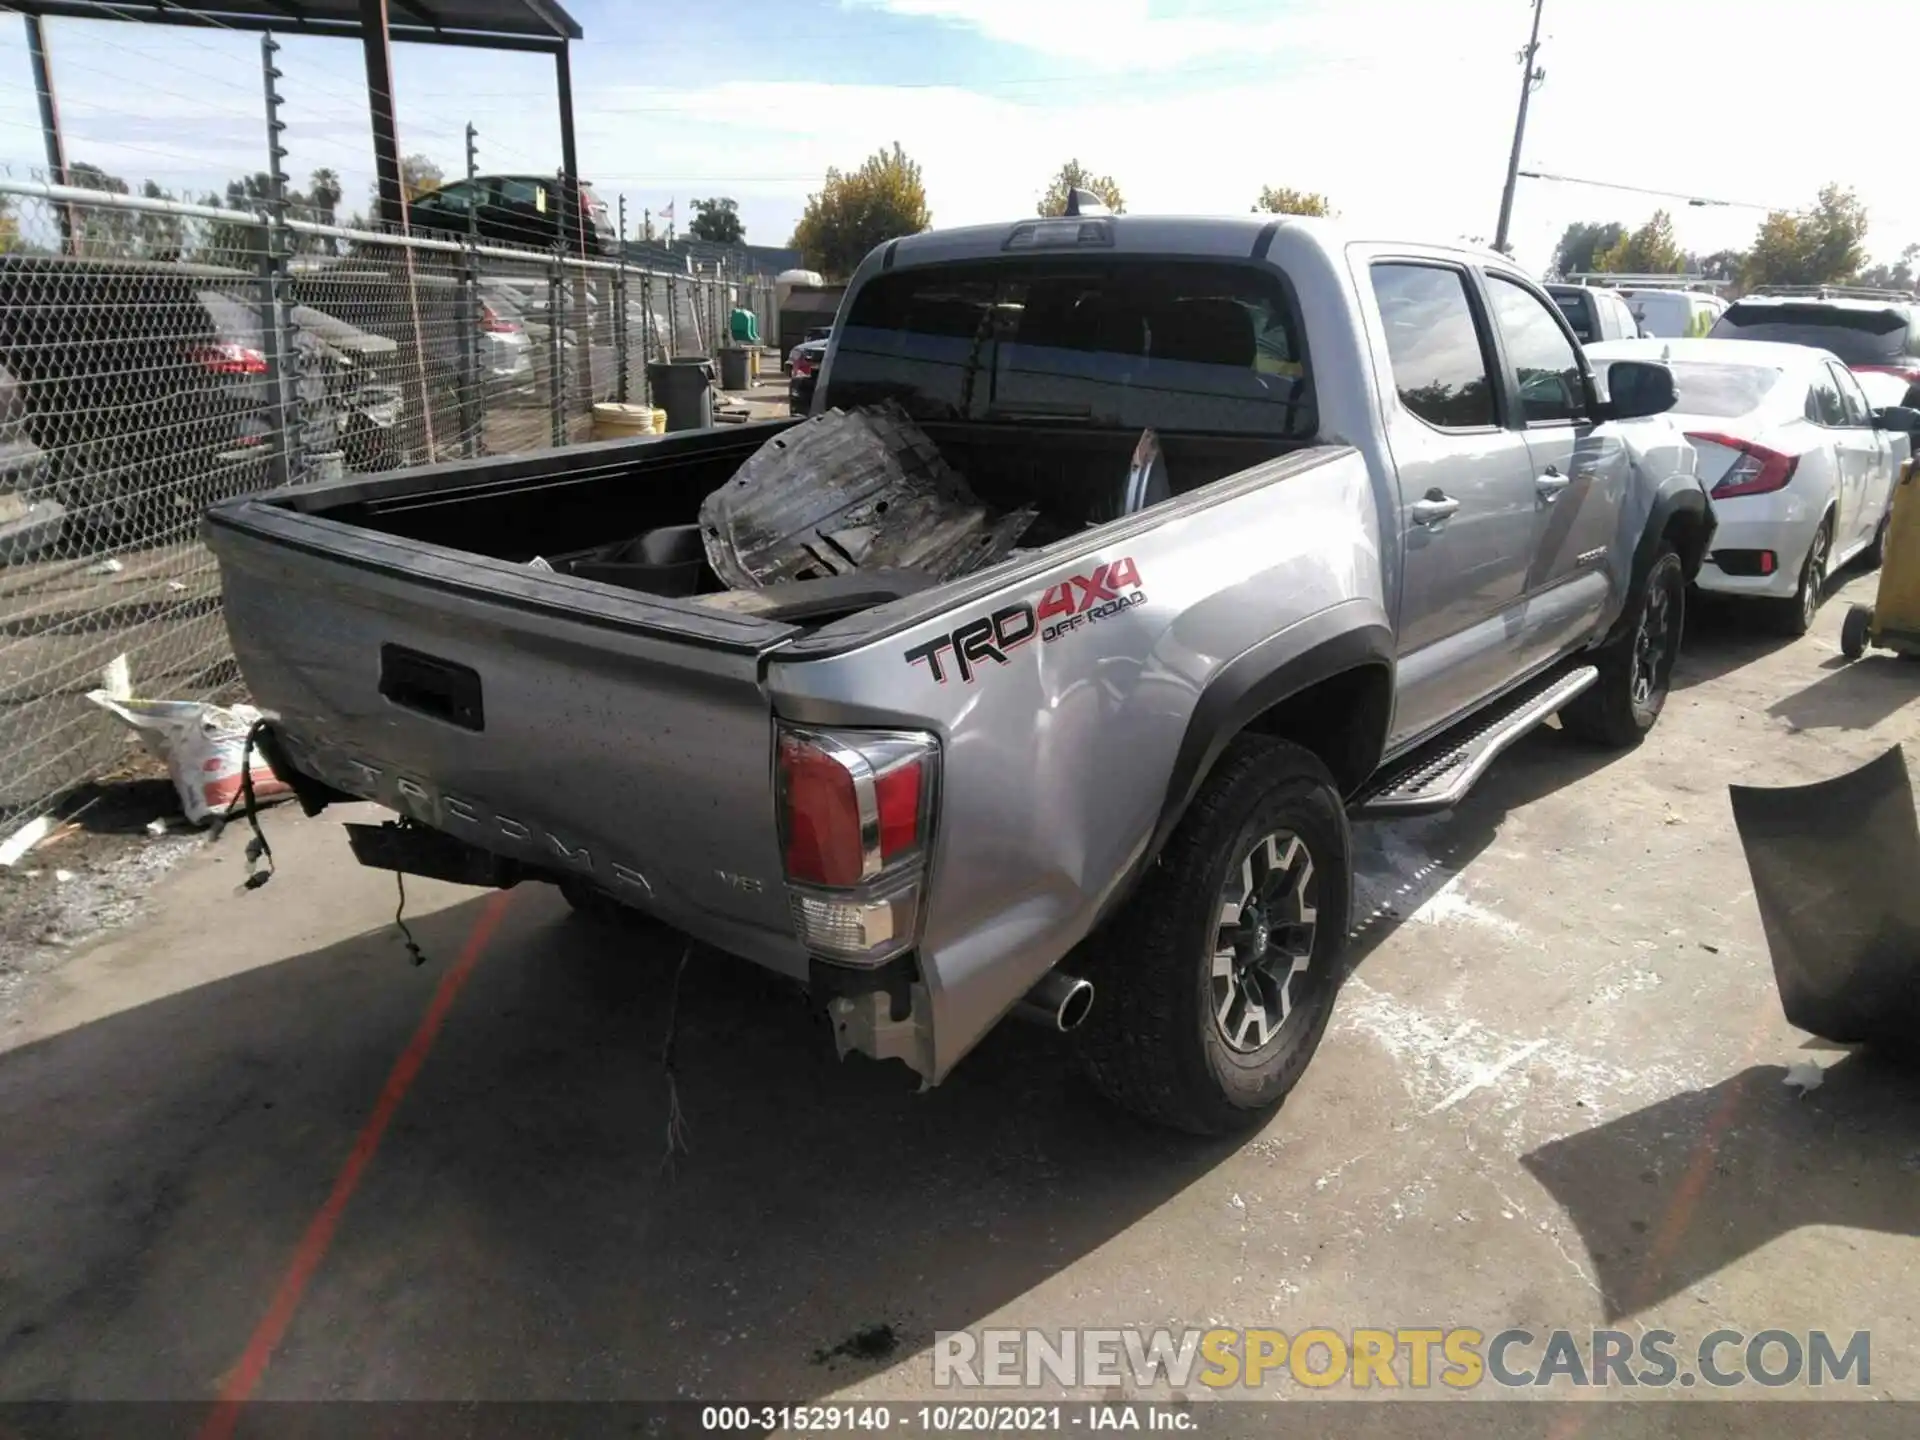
[{"x": 1401, "y": 111}]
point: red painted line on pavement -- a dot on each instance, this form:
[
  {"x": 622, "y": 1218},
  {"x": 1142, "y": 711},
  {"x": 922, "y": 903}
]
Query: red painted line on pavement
[{"x": 245, "y": 1375}]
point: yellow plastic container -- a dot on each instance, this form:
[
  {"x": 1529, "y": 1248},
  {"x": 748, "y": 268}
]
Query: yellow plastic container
[
  {"x": 1894, "y": 620},
  {"x": 625, "y": 422}
]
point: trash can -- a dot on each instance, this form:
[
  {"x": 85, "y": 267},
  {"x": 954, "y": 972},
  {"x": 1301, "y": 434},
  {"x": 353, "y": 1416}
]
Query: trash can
[
  {"x": 680, "y": 387},
  {"x": 745, "y": 326},
  {"x": 733, "y": 368}
]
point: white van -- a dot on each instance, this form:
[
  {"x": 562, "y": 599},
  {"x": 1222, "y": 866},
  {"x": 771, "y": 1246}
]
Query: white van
[{"x": 1673, "y": 314}]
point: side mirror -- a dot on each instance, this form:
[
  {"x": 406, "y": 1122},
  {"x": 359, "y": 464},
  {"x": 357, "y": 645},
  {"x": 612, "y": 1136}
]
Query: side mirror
[
  {"x": 1637, "y": 388},
  {"x": 1897, "y": 417}
]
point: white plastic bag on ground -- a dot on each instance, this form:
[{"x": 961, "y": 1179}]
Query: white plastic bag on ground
[{"x": 201, "y": 746}]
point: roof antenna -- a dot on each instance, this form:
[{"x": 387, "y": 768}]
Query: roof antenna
[{"x": 1085, "y": 202}]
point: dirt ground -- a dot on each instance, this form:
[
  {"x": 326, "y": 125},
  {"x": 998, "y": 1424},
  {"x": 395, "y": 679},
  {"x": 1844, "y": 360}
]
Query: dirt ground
[{"x": 1552, "y": 1096}]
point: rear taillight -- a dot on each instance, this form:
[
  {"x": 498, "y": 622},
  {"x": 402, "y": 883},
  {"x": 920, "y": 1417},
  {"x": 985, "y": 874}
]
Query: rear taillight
[
  {"x": 228, "y": 358},
  {"x": 493, "y": 323},
  {"x": 803, "y": 365},
  {"x": 856, "y": 812},
  {"x": 1756, "y": 470}
]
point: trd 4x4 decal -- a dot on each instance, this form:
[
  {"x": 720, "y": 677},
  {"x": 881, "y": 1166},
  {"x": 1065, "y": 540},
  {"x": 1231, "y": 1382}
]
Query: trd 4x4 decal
[{"x": 1076, "y": 601}]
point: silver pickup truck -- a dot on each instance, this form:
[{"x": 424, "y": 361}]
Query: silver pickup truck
[{"x": 1395, "y": 521}]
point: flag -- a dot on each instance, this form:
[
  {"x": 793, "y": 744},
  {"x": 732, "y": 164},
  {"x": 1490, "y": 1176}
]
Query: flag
[{"x": 667, "y": 213}]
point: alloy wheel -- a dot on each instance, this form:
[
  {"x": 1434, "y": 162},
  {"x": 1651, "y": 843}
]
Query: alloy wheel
[
  {"x": 1652, "y": 644},
  {"x": 1815, "y": 579},
  {"x": 1263, "y": 941}
]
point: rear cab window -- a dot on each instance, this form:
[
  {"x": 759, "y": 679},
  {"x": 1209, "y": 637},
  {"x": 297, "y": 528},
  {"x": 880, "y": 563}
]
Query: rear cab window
[
  {"x": 1118, "y": 341},
  {"x": 1582, "y": 312}
]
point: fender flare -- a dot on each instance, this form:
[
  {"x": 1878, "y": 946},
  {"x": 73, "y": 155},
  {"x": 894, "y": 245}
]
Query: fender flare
[
  {"x": 1679, "y": 499},
  {"x": 1333, "y": 643}
]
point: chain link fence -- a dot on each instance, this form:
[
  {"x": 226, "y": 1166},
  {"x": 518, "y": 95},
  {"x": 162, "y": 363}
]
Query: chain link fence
[{"x": 156, "y": 357}]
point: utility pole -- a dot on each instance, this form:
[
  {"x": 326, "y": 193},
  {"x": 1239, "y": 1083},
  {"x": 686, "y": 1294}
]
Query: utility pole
[{"x": 1529, "y": 82}]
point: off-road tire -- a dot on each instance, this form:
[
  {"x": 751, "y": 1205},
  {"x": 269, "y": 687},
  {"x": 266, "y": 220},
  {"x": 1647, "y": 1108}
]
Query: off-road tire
[
  {"x": 1152, "y": 1043},
  {"x": 1795, "y": 617},
  {"x": 1607, "y": 712}
]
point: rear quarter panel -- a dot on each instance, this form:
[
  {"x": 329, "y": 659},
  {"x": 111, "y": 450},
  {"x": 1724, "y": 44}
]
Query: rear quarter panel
[{"x": 1056, "y": 762}]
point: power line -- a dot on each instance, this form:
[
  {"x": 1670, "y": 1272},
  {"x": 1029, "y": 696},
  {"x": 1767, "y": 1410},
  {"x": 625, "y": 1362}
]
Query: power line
[{"x": 1697, "y": 201}]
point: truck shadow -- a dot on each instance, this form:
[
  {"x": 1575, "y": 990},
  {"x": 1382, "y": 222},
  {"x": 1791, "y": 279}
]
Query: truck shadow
[
  {"x": 1671, "y": 1194},
  {"x": 523, "y": 1231},
  {"x": 1399, "y": 865}
]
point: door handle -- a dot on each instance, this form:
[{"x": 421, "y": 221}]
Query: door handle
[
  {"x": 1434, "y": 507},
  {"x": 1549, "y": 483}
]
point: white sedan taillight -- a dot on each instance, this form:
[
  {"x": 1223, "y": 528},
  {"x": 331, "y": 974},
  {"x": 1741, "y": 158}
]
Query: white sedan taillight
[{"x": 856, "y": 823}]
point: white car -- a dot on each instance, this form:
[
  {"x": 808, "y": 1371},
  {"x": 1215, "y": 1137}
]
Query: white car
[{"x": 1800, "y": 474}]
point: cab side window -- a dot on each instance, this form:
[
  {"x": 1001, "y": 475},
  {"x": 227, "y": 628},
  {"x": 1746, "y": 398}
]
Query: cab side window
[
  {"x": 1545, "y": 360},
  {"x": 1439, "y": 364}
]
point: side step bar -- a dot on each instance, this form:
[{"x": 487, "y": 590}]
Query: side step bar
[{"x": 1440, "y": 775}]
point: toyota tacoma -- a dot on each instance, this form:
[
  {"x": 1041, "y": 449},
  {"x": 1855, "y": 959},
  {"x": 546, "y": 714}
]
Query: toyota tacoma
[{"x": 1252, "y": 525}]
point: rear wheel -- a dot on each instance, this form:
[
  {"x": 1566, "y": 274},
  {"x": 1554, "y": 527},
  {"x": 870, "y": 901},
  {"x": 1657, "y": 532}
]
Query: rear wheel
[
  {"x": 1214, "y": 984},
  {"x": 1796, "y": 616},
  {"x": 1636, "y": 668}
]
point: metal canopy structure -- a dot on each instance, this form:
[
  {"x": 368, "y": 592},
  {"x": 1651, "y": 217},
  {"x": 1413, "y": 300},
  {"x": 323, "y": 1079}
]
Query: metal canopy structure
[
  {"x": 494, "y": 24},
  {"x": 526, "y": 25}
]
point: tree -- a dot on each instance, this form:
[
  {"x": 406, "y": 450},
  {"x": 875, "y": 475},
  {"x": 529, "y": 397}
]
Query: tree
[
  {"x": 1822, "y": 246},
  {"x": 161, "y": 236},
  {"x": 9, "y": 227},
  {"x": 1720, "y": 265},
  {"x": 853, "y": 212},
  {"x": 1650, "y": 250},
  {"x": 99, "y": 230},
  {"x": 717, "y": 220},
  {"x": 1902, "y": 274},
  {"x": 1583, "y": 243},
  {"x": 323, "y": 196},
  {"x": 1279, "y": 200},
  {"x": 418, "y": 175},
  {"x": 1075, "y": 176}
]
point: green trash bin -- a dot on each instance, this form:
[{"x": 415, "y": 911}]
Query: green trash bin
[{"x": 746, "y": 328}]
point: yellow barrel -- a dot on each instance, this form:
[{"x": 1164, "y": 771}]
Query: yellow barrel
[{"x": 624, "y": 422}]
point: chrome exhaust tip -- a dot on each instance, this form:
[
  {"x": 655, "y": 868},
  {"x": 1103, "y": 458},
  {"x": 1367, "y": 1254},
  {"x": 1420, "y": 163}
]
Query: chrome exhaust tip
[{"x": 1060, "y": 1002}]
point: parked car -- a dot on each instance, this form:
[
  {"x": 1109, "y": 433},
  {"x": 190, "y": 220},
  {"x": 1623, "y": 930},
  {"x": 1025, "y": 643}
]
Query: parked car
[
  {"x": 528, "y": 304},
  {"x": 1800, "y": 464},
  {"x": 1242, "y": 602},
  {"x": 31, "y": 523},
  {"x": 513, "y": 210},
  {"x": 818, "y": 333},
  {"x": 1870, "y": 330},
  {"x": 1595, "y": 314},
  {"x": 145, "y": 385},
  {"x": 805, "y": 366},
  {"x": 1672, "y": 314}
]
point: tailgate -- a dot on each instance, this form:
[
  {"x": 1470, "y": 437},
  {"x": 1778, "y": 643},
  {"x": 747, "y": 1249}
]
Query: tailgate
[{"x": 563, "y": 723}]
